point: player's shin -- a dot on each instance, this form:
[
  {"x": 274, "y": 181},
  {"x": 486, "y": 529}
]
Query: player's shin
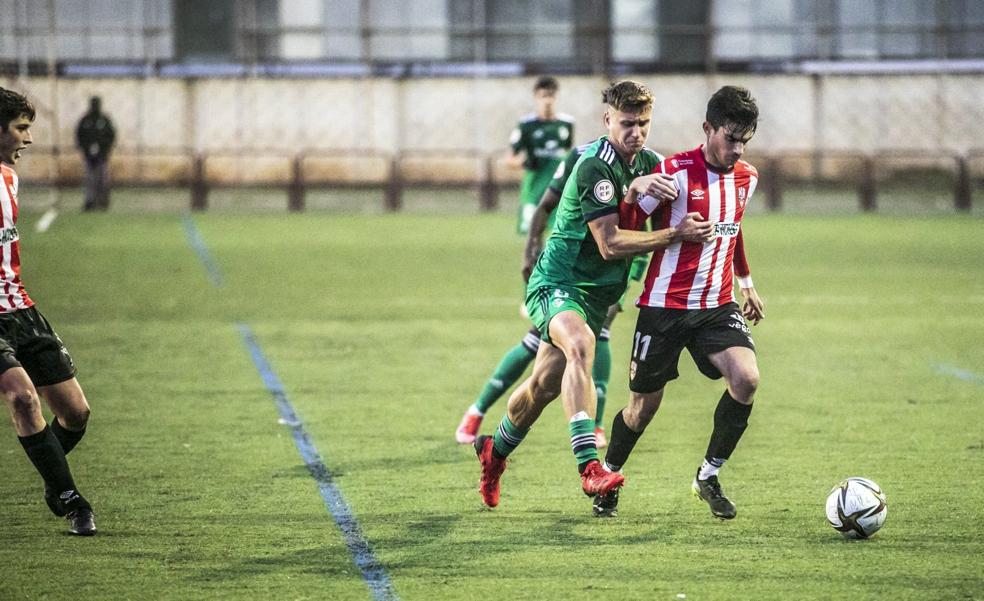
[
  {"x": 730, "y": 422},
  {"x": 583, "y": 439},
  {"x": 510, "y": 368},
  {"x": 601, "y": 372},
  {"x": 621, "y": 442},
  {"x": 48, "y": 457},
  {"x": 67, "y": 438}
]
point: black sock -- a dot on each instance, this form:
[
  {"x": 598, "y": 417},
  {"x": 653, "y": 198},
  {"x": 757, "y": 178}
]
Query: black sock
[
  {"x": 730, "y": 421},
  {"x": 48, "y": 458},
  {"x": 620, "y": 443},
  {"x": 67, "y": 438}
]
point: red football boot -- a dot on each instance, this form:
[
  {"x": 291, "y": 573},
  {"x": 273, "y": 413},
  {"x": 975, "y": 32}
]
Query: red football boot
[
  {"x": 596, "y": 480},
  {"x": 468, "y": 428},
  {"x": 492, "y": 468}
]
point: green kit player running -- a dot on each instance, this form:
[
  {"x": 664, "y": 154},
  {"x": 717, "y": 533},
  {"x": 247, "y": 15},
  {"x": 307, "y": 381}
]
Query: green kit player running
[
  {"x": 584, "y": 270},
  {"x": 514, "y": 363},
  {"x": 538, "y": 145}
]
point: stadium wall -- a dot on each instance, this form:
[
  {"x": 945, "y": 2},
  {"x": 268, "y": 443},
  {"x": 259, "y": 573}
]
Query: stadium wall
[{"x": 255, "y": 131}]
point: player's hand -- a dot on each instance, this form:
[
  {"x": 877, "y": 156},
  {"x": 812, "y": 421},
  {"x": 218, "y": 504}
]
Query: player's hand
[
  {"x": 753, "y": 309},
  {"x": 660, "y": 186},
  {"x": 694, "y": 228},
  {"x": 531, "y": 254}
]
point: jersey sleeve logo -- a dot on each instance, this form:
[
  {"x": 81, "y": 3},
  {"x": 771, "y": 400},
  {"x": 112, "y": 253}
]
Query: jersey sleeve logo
[
  {"x": 604, "y": 191},
  {"x": 515, "y": 136}
]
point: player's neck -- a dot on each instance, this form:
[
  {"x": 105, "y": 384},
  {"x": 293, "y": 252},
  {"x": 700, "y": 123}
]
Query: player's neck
[
  {"x": 547, "y": 115},
  {"x": 711, "y": 165}
]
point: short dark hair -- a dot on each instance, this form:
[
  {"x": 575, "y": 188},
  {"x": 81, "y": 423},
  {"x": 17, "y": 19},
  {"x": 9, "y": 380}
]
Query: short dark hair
[
  {"x": 12, "y": 106},
  {"x": 628, "y": 96},
  {"x": 732, "y": 105},
  {"x": 546, "y": 83}
]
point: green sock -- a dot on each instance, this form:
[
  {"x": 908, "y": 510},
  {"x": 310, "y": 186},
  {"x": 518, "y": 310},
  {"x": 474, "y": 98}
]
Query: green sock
[
  {"x": 507, "y": 437},
  {"x": 583, "y": 439},
  {"x": 510, "y": 368},
  {"x": 601, "y": 373}
]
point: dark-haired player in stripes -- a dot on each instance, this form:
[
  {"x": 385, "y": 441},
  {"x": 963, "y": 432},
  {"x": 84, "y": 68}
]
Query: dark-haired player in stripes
[
  {"x": 32, "y": 357},
  {"x": 688, "y": 302},
  {"x": 581, "y": 272}
]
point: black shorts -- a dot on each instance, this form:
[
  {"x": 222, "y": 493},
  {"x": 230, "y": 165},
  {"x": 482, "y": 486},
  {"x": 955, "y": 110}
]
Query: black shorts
[
  {"x": 27, "y": 340},
  {"x": 662, "y": 333}
]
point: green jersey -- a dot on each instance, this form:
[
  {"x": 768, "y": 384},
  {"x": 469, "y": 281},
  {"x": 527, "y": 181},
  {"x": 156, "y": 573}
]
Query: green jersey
[
  {"x": 545, "y": 143},
  {"x": 596, "y": 184}
]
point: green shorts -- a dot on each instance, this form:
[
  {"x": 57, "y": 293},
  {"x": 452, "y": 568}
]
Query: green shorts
[{"x": 544, "y": 302}]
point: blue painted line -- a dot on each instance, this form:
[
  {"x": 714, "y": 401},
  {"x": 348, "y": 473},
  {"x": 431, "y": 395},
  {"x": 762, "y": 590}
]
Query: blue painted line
[
  {"x": 373, "y": 573},
  {"x": 198, "y": 244},
  {"x": 961, "y": 374}
]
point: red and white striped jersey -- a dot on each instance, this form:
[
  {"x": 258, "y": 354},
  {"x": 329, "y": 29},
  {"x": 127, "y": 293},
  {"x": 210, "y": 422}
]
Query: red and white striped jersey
[
  {"x": 13, "y": 296},
  {"x": 693, "y": 275}
]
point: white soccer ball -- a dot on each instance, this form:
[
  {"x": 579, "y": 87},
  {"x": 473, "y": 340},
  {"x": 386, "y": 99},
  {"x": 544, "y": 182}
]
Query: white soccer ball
[{"x": 857, "y": 508}]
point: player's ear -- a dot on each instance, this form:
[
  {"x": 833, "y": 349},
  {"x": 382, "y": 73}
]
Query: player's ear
[
  {"x": 708, "y": 129},
  {"x": 607, "y": 118}
]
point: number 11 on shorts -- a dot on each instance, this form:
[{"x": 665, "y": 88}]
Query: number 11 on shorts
[{"x": 640, "y": 353}]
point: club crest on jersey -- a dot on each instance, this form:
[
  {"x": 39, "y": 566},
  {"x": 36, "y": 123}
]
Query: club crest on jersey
[
  {"x": 604, "y": 191},
  {"x": 9, "y": 234}
]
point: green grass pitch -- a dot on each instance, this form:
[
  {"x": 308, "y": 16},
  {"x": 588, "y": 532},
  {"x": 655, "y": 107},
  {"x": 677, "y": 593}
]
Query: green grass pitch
[{"x": 384, "y": 327}]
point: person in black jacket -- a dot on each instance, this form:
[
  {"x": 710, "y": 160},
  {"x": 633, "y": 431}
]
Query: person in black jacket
[{"x": 95, "y": 136}]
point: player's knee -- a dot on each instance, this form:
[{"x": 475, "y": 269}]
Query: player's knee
[
  {"x": 22, "y": 401},
  {"x": 76, "y": 419},
  {"x": 745, "y": 383},
  {"x": 580, "y": 351}
]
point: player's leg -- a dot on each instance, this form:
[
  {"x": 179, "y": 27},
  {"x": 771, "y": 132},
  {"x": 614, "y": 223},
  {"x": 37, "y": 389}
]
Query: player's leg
[
  {"x": 659, "y": 337},
  {"x": 43, "y": 449},
  {"x": 740, "y": 370},
  {"x": 510, "y": 368},
  {"x": 601, "y": 373},
  {"x": 525, "y": 405},
  {"x": 71, "y": 409},
  {"x": 723, "y": 347},
  {"x": 571, "y": 333},
  {"x": 48, "y": 366}
]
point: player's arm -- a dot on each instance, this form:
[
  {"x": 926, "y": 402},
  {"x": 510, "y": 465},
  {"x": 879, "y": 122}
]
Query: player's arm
[
  {"x": 617, "y": 243},
  {"x": 538, "y": 226},
  {"x": 753, "y": 308},
  {"x": 516, "y": 153}
]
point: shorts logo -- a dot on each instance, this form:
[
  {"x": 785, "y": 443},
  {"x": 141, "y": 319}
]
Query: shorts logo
[
  {"x": 739, "y": 323},
  {"x": 560, "y": 297},
  {"x": 604, "y": 191}
]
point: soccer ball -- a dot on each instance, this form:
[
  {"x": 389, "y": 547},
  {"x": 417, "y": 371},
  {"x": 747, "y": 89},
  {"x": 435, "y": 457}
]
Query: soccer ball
[{"x": 856, "y": 508}]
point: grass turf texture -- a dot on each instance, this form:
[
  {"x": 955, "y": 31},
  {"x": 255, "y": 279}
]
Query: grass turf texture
[{"x": 384, "y": 327}]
